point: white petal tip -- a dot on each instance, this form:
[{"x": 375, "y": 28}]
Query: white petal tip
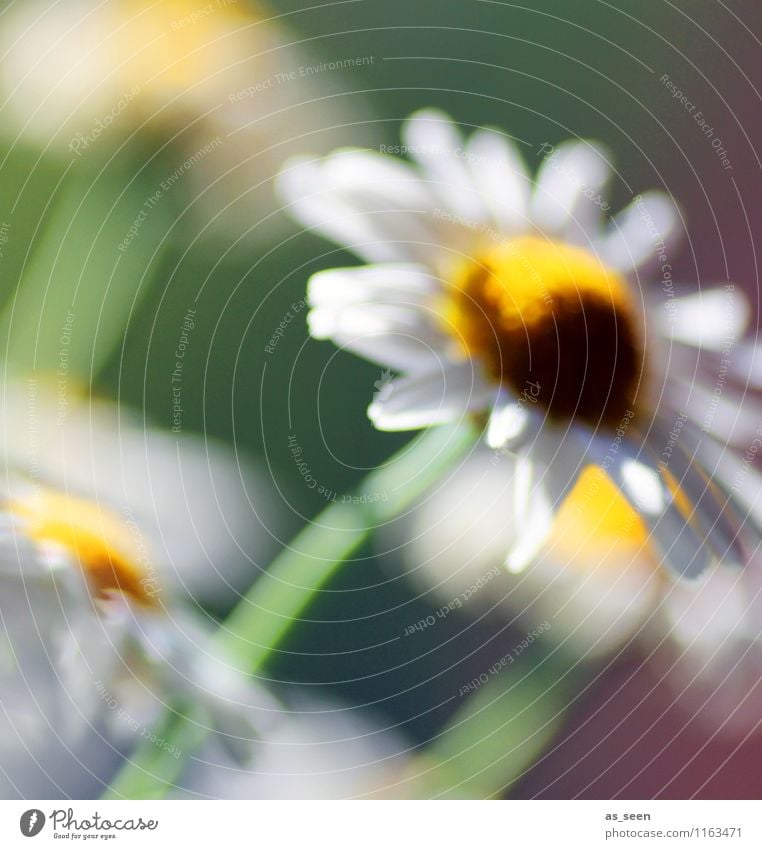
[
  {"x": 321, "y": 324},
  {"x": 507, "y": 426},
  {"x": 644, "y": 487},
  {"x": 381, "y": 420},
  {"x": 289, "y": 182},
  {"x": 430, "y": 113},
  {"x": 516, "y": 564},
  {"x": 492, "y": 441}
]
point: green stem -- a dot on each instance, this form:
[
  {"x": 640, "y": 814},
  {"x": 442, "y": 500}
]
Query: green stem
[
  {"x": 499, "y": 732},
  {"x": 259, "y": 622},
  {"x": 98, "y": 253}
]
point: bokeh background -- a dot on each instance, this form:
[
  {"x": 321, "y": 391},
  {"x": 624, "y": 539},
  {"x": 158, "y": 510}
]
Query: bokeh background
[{"x": 542, "y": 71}]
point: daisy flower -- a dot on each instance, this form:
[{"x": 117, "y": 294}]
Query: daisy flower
[
  {"x": 595, "y": 586},
  {"x": 496, "y": 294},
  {"x": 593, "y": 583},
  {"x": 203, "y": 512},
  {"x": 85, "y": 70},
  {"x": 225, "y": 85},
  {"x": 106, "y": 529}
]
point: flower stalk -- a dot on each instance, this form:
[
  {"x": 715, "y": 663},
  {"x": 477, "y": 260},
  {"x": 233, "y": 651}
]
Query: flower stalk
[{"x": 258, "y": 624}]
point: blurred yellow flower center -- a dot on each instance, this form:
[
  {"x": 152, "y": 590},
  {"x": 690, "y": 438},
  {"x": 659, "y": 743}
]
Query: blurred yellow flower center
[
  {"x": 553, "y": 317},
  {"x": 176, "y": 43},
  {"x": 110, "y": 554},
  {"x": 596, "y": 519}
]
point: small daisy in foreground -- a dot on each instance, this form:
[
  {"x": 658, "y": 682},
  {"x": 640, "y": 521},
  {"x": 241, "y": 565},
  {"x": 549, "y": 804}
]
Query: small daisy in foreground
[
  {"x": 109, "y": 539},
  {"x": 92, "y": 645},
  {"x": 496, "y": 294}
]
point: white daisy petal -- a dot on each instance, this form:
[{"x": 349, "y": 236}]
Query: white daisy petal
[
  {"x": 566, "y": 460},
  {"x": 509, "y": 425},
  {"x": 406, "y": 338},
  {"x": 747, "y": 363},
  {"x": 712, "y": 514},
  {"x": 523, "y": 485},
  {"x": 316, "y": 207},
  {"x": 384, "y": 282},
  {"x": 643, "y": 487},
  {"x": 533, "y": 516},
  {"x": 397, "y": 204},
  {"x": 730, "y": 416},
  {"x": 434, "y": 142},
  {"x": 640, "y": 233},
  {"x": 432, "y": 398},
  {"x": 366, "y": 320},
  {"x": 682, "y": 552},
  {"x": 685, "y": 555},
  {"x": 500, "y": 175},
  {"x": 710, "y": 319},
  {"x": 370, "y": 174},
  {"x": 738, "y": 481},
  {"x": 406, "y": 353},
  {"x": 567, "y": 199}
]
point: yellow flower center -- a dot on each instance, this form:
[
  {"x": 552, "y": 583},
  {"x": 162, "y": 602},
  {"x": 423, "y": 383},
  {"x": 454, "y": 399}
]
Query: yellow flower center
[
  {"x": 174, "y": 44},
  {"x": 552, "y": 318},
  {"x": 111, "y": 554},
  {"x": 595, "y": 519}
]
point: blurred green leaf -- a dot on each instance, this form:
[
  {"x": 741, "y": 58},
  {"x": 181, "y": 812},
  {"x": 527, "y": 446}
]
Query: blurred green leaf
[
  {"x": 26, "y": 177},
  {"x": 504, "y": 726},
  {"x": 93, "y": 262}
]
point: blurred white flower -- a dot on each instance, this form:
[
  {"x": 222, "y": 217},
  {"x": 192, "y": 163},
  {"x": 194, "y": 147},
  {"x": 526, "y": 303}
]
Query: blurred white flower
[
  {"x": 508, "y": 297},
  {"x": 203, "y": 512},
  {"x": 707, "y": 646},
  {"x": 318, "y": 749},
  {"x": 226, "y": 84},
  {"x": 594, "y": 581},
  {"x": 597, "y": 583},
  {"x": 108, "y": 532}
]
